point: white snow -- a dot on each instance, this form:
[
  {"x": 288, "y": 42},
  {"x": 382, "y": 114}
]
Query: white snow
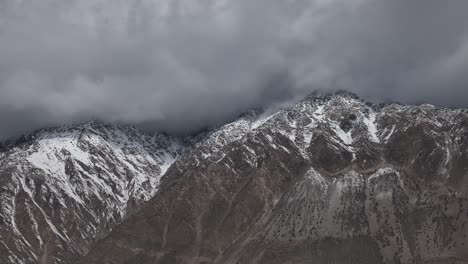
[
  {"x": 387, "y": 137},
  {"x": 380, "y": 172},
  {"x": 372, "y": 127},
  {"x": 263, "y": 118},
  {"x": 269, "y": 138},
  {"x": 319, "y": 113},
  {"x": 345, "y": 137},
  {"x": 307, "y": 137},
  {"x": 48, "y": 155},
  {"x": 167, "y": 161}
]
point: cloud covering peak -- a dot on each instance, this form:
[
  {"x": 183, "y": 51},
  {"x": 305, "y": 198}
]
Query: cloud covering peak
[{"x": 180, "y": 65}]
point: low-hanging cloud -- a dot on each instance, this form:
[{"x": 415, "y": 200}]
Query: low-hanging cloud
[{"x": 181, "y": 65}]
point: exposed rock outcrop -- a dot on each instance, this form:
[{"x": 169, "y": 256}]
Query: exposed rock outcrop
[{"x": 328, "y": 180}]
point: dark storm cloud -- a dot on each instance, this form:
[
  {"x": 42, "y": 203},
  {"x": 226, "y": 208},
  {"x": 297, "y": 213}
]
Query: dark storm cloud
[{"x": 180, "y": 65}]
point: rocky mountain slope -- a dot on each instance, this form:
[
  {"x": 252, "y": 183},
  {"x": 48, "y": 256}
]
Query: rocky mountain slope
[
  {"x": 62, "y": 189},
  {"x": 328, "y": 180}
]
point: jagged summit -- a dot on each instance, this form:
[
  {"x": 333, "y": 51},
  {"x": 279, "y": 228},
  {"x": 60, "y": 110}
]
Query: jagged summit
[
  {"x": 52, "y": 130},
  {"x": 333, "y": 180},
  {"x": 329, "y": 179},
  {"x": 322, "y": 95}
]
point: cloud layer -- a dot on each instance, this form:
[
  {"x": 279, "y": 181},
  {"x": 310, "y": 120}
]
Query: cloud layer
[{"x": 180, "y": 65}]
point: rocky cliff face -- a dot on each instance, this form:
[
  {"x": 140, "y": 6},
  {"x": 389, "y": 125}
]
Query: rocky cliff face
[
  {"x": 328, "y": 180},
  {"x": 331, "y": 179},
  {"x": 62, "y": 189}
]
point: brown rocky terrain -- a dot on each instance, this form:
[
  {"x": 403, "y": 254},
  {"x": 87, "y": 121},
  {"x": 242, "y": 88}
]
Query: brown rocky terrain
[{"x": 328, "y": 180}]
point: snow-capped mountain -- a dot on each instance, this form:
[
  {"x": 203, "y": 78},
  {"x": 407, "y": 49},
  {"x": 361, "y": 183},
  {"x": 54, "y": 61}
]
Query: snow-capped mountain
[
  {"x": 331, "y": 179},
  {"x": 64, "y": 188}
]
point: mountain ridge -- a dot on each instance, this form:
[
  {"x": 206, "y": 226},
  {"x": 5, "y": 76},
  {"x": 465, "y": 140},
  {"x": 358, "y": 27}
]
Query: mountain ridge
[
  {"x": 88, "y": 176},
  {"x": 307, "y": 182},
  {"x": 327, "y": 180}
]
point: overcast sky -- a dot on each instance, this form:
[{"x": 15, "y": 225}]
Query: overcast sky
[{"x": 180, "y": 65}]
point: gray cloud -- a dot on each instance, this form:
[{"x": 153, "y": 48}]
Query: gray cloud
[{"x": 180, "y": 65}]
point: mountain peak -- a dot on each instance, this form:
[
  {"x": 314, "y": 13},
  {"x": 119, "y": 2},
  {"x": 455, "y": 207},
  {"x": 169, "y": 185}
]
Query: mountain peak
[
  {"x": 320, "y": 95},
  {"x": 328, "y": 180},
  {"x": 328, "y": 173},
  {"x": 345, "y": 93}
]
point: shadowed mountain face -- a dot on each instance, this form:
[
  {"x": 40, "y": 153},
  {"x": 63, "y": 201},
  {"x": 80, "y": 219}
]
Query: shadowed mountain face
[{"x": 328, "y": 180}]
